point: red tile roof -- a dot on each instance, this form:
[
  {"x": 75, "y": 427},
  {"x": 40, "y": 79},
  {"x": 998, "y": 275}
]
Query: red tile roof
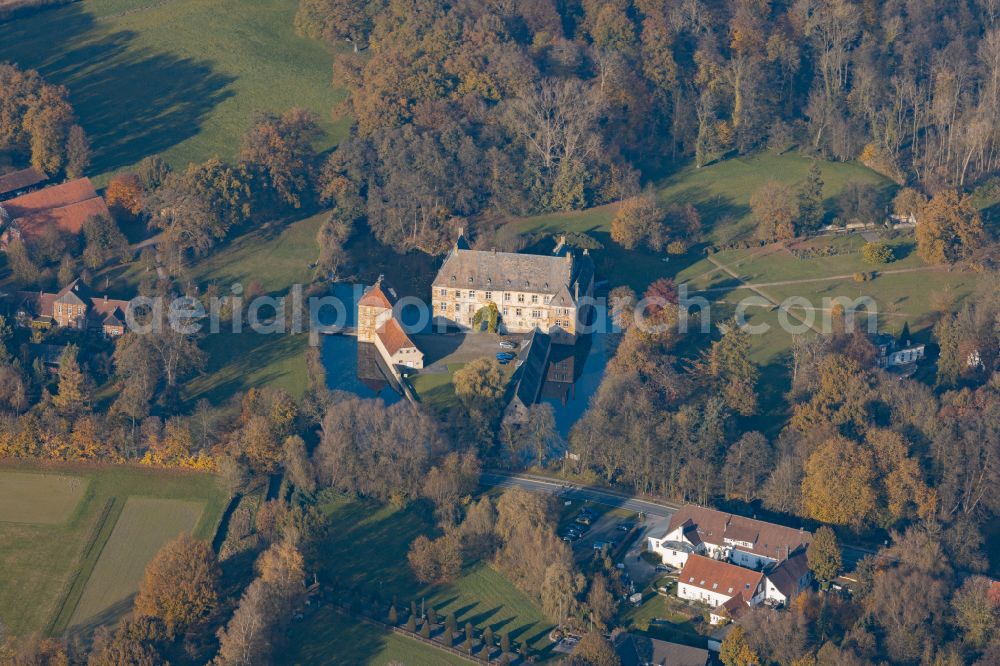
[
  {"x": 67, "y": 206},
  {"x": 720, "y": 577},
  {"x": 393, "y": 337},
  {"x": 376, "y": 297},
  {"x": 56, "y": 196},
  {"x": 768, "y": 539},
  {"x": 18, "y": 180},
  {"x": 69, "y": 218}
]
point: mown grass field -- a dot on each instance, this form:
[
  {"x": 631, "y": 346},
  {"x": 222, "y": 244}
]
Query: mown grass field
[
  {"x": 44, "y": 568},
  {"x": 144, "y": 525},
  {"x": 275, "y": 259},
  {"x": 333, "y": 639},
  {"x": 39, "y": 499},
  {"x": 366, "y": 546},
  {"x": 720, "y": 192},
  {"x": 181, "y": 78}
]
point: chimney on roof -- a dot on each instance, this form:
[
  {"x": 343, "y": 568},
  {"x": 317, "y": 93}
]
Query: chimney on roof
[
  {"x": 560, "y": 245},
  {"x": 105, "y": 299},
  {"x": 494, "y": 250}
]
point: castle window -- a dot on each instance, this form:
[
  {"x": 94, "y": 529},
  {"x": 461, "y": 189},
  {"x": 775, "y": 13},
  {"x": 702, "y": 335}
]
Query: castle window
[
  {"x": 443, "y": 307},
  {"x": 520, "y": 298},
  {"x": 534, "y": 298},
  {"x": 489, "y": 295},
  {"x": 458, "y": 294},
  {"x": 506, "y": 295},
  {"x": 517, "y": 312},
  {"x": 536, "y": 314},
  {"x": 443, "y": 292}
]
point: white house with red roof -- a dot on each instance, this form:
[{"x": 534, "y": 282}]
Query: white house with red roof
[
  {"x": 724, "y": 536},
  {"x": 731, "y": 590}
]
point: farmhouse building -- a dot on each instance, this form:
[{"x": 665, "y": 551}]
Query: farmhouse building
[
  {"x": 785, "y": 580},
  {"x": 724, "y": 536},
  {"x": 530, "y": 291},
  {"x": 65, "y": 207},
  {"x": 377, "y": 324},
  {"x": 74, "y": 306},
  {"x": 16, "y": 183},
  {"x": 732, "y": 590},
  {"x": 726, "y": 588}
]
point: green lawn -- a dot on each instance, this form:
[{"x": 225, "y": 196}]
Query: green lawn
[
  {"x": 666, "y": 618},
  {"x": 145, "y": 524},
  {"x": 45, "y": 567},
  {"x": 276, "y": 259},
  {"x": 436, "y": 389},
  {"x": 181, "y": 78},
  {"x": 39, "y": 499},
  {"x": 329, "y": 638},
  {"x": 721, "y": 193},
  {"x": 366, "y": 546}
]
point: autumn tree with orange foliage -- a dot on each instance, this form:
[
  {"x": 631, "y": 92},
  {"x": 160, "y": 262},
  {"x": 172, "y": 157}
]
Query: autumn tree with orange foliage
[
  {"x": 124, "y": 193},
  {"x": 181, "y": 584},
  {"x": 949, "y": 228}
]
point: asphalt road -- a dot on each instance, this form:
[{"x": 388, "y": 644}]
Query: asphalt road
[
  {"x": 534, "y": 484},
  {"x": 851, "y": 554}
]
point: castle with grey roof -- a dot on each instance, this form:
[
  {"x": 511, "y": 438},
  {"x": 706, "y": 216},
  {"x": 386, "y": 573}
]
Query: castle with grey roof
[{"x": 531, "y": 291}]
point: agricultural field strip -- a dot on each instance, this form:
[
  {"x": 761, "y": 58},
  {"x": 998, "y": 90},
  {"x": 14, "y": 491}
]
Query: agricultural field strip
[
  {"x": 96, "y": 540},
  {"x": 144, "y": 525},
  {"x": 39, "y": 499}
]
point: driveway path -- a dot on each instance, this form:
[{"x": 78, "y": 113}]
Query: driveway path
[{"x": 755, "y": 286}]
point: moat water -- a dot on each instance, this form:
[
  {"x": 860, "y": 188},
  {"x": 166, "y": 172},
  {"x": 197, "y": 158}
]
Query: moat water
[{"x": 573, "y": 375}]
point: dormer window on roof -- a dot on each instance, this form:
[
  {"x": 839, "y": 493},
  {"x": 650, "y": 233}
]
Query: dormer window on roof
[
  {"x": 452, "y": 278},
  {"x": 470, "y": 279}
]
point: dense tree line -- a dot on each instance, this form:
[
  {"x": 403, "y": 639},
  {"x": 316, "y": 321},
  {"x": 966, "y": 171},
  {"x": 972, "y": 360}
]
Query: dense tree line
[{"x": 468, "y": 107}]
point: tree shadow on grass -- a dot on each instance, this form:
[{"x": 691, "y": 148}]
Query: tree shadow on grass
[
  {"x": 107, "y": 617},
  {"x": 132, "y": 101}
]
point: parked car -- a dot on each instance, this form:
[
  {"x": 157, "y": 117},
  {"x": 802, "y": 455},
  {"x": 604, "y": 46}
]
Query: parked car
[
  {"x": 662, "y": 568},
  {"x": 584, "y": 520},
  {"x": 503, "y": 361},
  {"x": 505, "y": 356},
  {"x": 626, "y": 527},
  {"x": 507, "y": 344}
]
